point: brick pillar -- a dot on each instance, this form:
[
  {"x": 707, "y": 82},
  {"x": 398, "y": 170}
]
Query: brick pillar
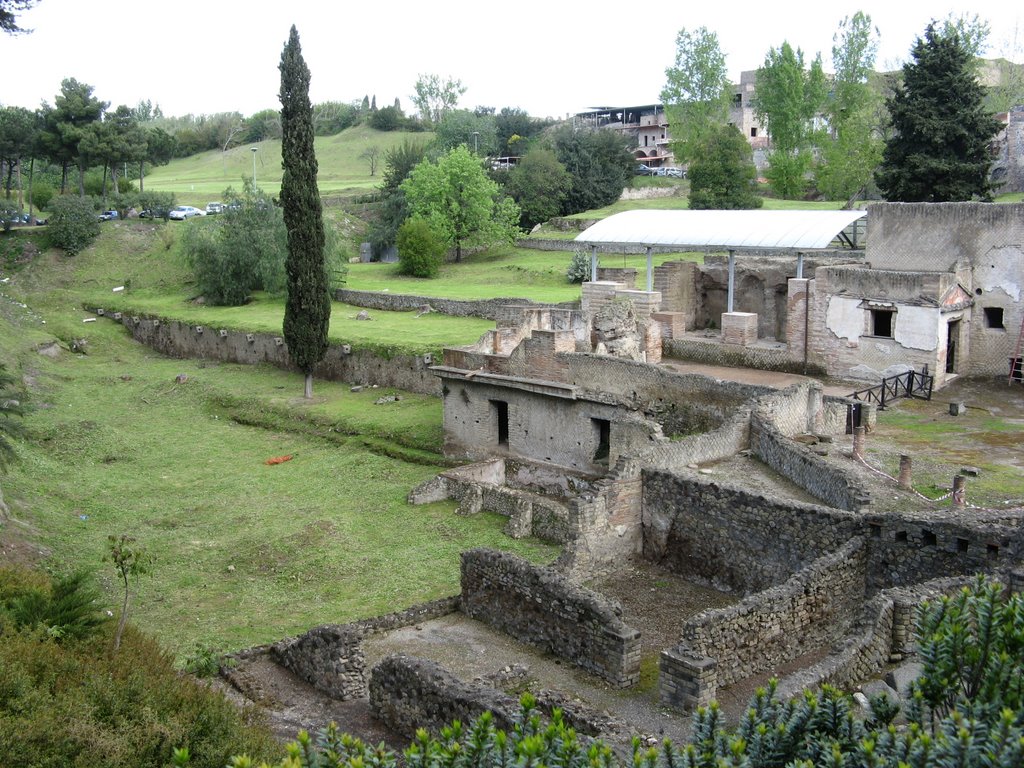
[
  {"x": 797, "y": 322},
  {"x": 858, "y": 442},
  {"x": 739, "y": 328},
  {"x": 686, "y": 680}
]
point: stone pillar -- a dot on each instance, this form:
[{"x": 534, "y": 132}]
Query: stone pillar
[
  {"x": 686, "y": 680},
  {"x": 905, "y": 467},
  {"x": 959, "y": 497},
  {"x": 858, "y": 442},
  {"x": 797, "y": 324}
]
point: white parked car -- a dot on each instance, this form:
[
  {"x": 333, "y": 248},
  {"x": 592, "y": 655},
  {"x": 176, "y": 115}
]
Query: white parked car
[
  {"x": 182, "y": 212},
  {"x": 215, "y": 208}
]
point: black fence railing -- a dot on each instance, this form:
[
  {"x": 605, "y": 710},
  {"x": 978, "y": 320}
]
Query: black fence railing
[{"x": 917, "y": 384}]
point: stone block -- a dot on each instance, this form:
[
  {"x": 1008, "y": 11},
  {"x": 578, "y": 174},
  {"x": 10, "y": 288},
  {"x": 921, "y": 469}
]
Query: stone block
[{"x": 673, "y": 324}]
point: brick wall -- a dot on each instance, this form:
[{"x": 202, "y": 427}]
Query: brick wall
[{"x": 541, "y": 607}]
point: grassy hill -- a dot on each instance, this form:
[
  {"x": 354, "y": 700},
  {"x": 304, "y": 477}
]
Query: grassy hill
[{"x": 201, "y": 178}]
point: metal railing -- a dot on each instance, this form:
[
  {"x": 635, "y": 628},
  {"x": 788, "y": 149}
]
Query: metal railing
[{"x": 910, "y": 384}]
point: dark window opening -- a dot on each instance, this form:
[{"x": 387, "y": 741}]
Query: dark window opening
[
  {"x": 881, "y": 322},
  {"x": 500, "y": 408},
  {"x": 753, "y": 133},
  {"x": 603, "y": 429},
  {"x": 961, "y": 545},
  {"x": 876, "y": 530},
  {"x": 901, "y": 535},
  {"x": 737, "y": 99},
  {"x": 994, "y": 318},
  {"x": 993, "y": 551},
  {"x": 929, "y": 538}
]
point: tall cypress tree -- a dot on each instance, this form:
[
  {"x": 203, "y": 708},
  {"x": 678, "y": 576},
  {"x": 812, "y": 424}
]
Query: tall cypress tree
[
  {"x": 939, "y": 150},
  {"x": 307, "y": 313}
]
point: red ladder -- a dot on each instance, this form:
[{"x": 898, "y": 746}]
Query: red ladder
[{"x": 1015, "y": 361}]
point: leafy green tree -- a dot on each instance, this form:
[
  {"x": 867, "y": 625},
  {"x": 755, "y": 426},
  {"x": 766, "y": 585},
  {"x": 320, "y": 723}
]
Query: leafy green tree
[
  {"x": 600, "y": 163},
  {"x": 387, "y": 119},
  {"x": 241, "y": 251},
  {"x": 460, "y": 126},
  {"x": 539, "y": 185},
  {"x": 130, "y": 561},
  {"x": 65, "y": 123},
  {"x": 724, "y": 176},
  {"x": 393, "y": 210},
  {"x": 420, "y": 249},
  {"x": 789, "y": 95},
  {"x": 459, "y": 202},
  {"x": 852, "y": 148},
  {"x": 332, "y": 117},
  {"x": 307, "y": 313},
  {"x": 73, "y": 224},
  {"x": 265, "y": 124},
  {"x": 515, "y": 129},
  {"x": 18, "y": 137},
  {"x": 696, "y": 92},
  {"x": 436, "y": 96},
  {"x": 9, "y": 10},
  {"x": 160, "y": 150},
  {"x": 939, "y": 149}
]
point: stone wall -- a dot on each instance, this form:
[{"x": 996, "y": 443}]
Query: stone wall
[
  {"x": 884, "y": 634},
  {"x": 492, "y": 309},
  {"x": 808, "y": 612},
  {"x": 766, "y": 357},
  {"x": 341, "y": 363},
  {"x": 541, "y": 607},
  {"x": 732, "y": 538},
  {"x": 823, "y": 480},
  {"x": 329, "y": 658},
  {"x": 407, "y": 693}
]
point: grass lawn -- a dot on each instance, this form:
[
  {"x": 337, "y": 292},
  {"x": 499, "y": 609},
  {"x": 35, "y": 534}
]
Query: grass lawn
[
  {"x": 243, "y": 552},
  {"x": 201, "y": 178},
  {"x": 499, "y": 272}
]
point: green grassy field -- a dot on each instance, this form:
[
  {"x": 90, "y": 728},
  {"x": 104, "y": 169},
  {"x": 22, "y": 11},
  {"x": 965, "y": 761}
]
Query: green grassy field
[
  {"x": 201, "y": 178},
  {"x": 243, "y": 552}
]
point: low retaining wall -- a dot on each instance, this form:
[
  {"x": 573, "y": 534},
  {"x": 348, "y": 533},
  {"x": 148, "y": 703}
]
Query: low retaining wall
[
  {"x": 492, "y": 309},
  {"x": 713, "y": 352},
  {"x": 542, "y": 608},
  {"x": 796, "y": 462},
  {"x": 341, "y": 363},
  {"x": 407, "y": 693},
  {"x": 808, "y": 612},
  {"x": 329, "y": 658}
]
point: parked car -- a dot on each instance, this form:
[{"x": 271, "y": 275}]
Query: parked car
[
  {"x": 108, "y": 215},
  {"x": 677, "y": 173},
  {"x": 643, "y": 170},
  {"x": 182, "y": 212},
  {"x": 215, "y": 208}
]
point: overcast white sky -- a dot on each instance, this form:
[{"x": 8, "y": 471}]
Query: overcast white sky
[{"x": 549, "y": 58}]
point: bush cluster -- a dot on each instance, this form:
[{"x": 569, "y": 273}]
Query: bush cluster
[
  {"x": 73, "y": 224},
  {"x": 420, "y": 250}
]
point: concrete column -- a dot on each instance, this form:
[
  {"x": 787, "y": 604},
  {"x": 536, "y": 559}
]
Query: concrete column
[{"x": 905, "y": 468}]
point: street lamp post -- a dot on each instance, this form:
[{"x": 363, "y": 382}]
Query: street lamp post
[
  {"x": 476, "y": 144},
  {"x": 254, "y": 151}
]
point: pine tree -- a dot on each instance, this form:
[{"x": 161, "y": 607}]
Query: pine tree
[
  {"x": 939, "y": 150},
  {"x": 307, "y": 312}
]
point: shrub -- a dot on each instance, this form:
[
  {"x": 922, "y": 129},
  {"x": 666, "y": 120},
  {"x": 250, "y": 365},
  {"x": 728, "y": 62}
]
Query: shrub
[
  {"x": 579, "y": 266},
  {"x": 241, "y": 251},
  {"x": 73, "y": 224},
  {"x": 420, "y": 250},
  {"x": 68, "y": 610}
]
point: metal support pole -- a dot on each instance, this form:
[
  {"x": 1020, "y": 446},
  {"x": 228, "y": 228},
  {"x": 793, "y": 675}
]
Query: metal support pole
[
  {"x": 650, "y": 270},
  {"x": 732, "y": 278},
  {"x": 799, "y": 265},
  {"x": 593, "y": 263}
]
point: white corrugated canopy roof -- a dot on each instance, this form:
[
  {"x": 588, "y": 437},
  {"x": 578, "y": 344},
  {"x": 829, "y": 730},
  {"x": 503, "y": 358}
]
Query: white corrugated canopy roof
[{"x": 725, "y": 229}]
